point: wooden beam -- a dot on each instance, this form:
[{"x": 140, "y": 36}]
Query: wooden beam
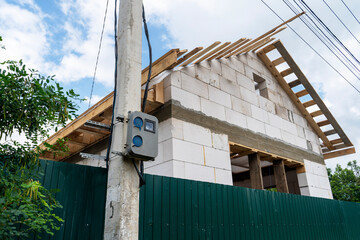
[
  {"x": 286, "y": 72},
  {"x": 164, "y": 62},
  {"x": 316, "y": 113},
  {"x": 262, "y": 55},
  {"x": 336, "y": 141},
  {"x": 256, "y": 178},
  {"x": 330, "y": 132},
  {"x": 278, "y": 61},
  {"x": 233, "y": 48},
  {"x": 300, "y": 75},
  {"x": 280, "y": 176},
  {"x": 228, "y": 48},
  {"x": 294, "y": 83},
  {"x": 339, "y": 153},
  {"x": 337, "y": 147},
  {"x": 300, "y": 169},
  {"x": 323, "y": 123},
  {"x": 263, "y": 44},
  {"x": 301, "y": 93},
  {"x": 200, "y": 53},
  {"x": 188, "y": 55},
  {"x": 213, "y": 52},
  {"x": 309, "y": 103},
  {"x": 181, "y": 52}
]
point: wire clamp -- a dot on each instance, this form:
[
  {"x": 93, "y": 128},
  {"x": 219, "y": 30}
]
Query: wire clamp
[{"x": 121, "y": 118}]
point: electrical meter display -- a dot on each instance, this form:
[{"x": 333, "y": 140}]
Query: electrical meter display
[{"x": 142, "y": 136}]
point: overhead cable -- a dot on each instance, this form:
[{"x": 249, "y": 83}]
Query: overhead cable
[
  {"x": 351, "y": 12},
  {"x": 328, "y": 63},
  {"x": 98, "y": 53}
]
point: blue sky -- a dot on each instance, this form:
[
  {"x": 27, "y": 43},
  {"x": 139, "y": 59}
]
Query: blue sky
[{"x": 61, "y": 37}]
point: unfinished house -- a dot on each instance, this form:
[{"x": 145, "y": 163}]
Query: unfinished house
[{"x": 240, "y": 113}]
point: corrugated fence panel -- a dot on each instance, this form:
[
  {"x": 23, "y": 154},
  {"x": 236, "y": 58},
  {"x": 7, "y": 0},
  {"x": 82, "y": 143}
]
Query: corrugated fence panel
[
  {"x": 82, "y": 195},
  {"x": 182, "y": 209}
]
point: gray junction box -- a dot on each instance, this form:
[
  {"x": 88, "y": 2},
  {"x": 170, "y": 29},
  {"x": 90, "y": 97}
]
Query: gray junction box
[{"x": 142, "y": 136}]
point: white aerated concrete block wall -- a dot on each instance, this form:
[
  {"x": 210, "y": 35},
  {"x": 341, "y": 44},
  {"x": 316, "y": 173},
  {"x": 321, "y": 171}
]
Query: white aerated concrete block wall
[
  {"x": 315, "y": 182},
  {"x": 191, "y": 152},
  {"x": 225, "y": 89}
]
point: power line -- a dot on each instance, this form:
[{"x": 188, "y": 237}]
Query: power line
[
  {"x": 312, "y": 47},
  {"x": 341, "y": 21},
  {"x": 321, "y": 35},
  {"x": 350, "y": 11},
  {"x": 99, "y": 49}
]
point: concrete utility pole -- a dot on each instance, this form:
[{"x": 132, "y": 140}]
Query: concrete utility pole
[{"x": 122, "y": 200}]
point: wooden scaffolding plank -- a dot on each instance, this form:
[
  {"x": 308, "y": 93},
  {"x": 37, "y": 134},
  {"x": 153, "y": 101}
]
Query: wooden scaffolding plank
[
  {"x": 287, "y": 89},
  {"x": 339, "y": 153},
  {"x": 216, "y": 50},
  {"x": 200, "y": 53},
  {"x": 290, "y": 61}
]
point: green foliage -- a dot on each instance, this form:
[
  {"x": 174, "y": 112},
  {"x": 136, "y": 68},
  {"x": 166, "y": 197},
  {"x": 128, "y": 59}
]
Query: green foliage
[
  {"x": 345, "y": 182},
  {"x": 30, "y": 104}
]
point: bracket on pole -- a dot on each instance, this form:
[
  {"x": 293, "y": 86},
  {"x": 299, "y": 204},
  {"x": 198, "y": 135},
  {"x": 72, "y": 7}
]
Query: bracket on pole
[{"x": 92, "y": 156}]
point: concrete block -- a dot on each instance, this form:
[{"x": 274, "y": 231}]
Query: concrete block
[
  {"x": 205, "y": 64},
  {"x": 245, "y": 82},
  {"x": 275, "y": 97},
  {"x": 160, "y": 157},
  {"x": 305, "y": 191},
  {"x": 197, "y": 134},
  {"x": 241, "y": 106},
  {"x": 214, "y": 80},
  {"x": 167, "y": 93},
  {"x": 202, "y": 73},
  {"x": 186, "y": 99},
  {"x": 272, "y": 132},
  {"x": 163, "y": 169},
  {"x": 215, "y": 66},
  {"x": 255, "y": 125},
  {"x": 217, "y": 158},
  {"x": 188, "y": 152},
  {"x": 199, "y": 173},
  {"x": 178, "y": 169},
  {"x": 220, "y": 141},
  {"x": 300, "y": 121},
  {"x": 281, "y": 112},
  {"x": 212, "y": 109},
  {"x": 267, "y": 105},
  {"x": 228, "y": 72},
  {"x": 177, "y": 128},
  {"x": 194, "y": 86},
  {"x": 249, "y": 96},
  {"x": 164, "y": 131},
  {"x": 188, "y": 70},
  {"x": 300, "y": 131},
  {"x": 242, "y": 58},
  {"x": 311, "y": 136},
  {"x": 173, "y": 79},
  {"x": 235, "y": 118},
  {"x": 275, "y": 121},
  {"x": 230, "y": 87},
  {"x": 220, "y": 97},
  {"x": 223, "y": 177},
  {"x": 288, "y": 137},
  {"x": 301, "y": 142},
  {"x": 256, "y": 64},
  {"x": 249, "y": 71},
  {"x": 302, "y": 179},
  {"x": 259, "y": 114},
  {"x": 289, "y": 127}
]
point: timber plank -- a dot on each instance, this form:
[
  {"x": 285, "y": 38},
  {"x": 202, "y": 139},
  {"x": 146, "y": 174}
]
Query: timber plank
[
  {"x": 309, "y": 103},
  {"x": 316, "y": 113},
  {"x": 286, "y": 72},
  {"x": 287, "y": 89},
  {"x": 200, "y": 53},
  {"x": 278, "y": 61},
  {"x": 228, "y": 48},
  {"x": 294, "y": 83},
  {"x": 301, "y": 93},
  {"x": 213, "y": 52},
  {"x": 323, "y": 123},
  {"x": 339, "y": 153},
  {"x": 284, "y": 53},
  {"x": 187, "y": 56},
  {"x": 256, "y": 178},
  {"x": 280, "y": 176}
]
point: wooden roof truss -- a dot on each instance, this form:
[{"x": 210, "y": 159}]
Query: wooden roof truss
[{"x": 334, "y": 141}]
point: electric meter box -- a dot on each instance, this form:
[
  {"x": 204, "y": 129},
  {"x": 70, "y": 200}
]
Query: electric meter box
[{"x": 142, "y": 136}]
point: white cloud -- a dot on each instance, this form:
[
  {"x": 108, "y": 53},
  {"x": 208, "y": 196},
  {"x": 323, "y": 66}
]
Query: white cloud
[{"x": 94, "y": 99}]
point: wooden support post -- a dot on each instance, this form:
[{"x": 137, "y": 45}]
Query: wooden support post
[
  {"x": 280, "y": 176},
  {"x": 256, "y": 178}
]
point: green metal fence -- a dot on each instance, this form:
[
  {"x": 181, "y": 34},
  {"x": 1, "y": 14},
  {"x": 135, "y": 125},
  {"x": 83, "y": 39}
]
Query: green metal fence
[
  {"x": 82, "y": 195},
  {"x": 173, "y": 208}
]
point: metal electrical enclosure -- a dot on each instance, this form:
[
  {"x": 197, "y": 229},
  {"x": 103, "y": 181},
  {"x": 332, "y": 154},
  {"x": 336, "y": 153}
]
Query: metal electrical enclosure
[{"x": 142, "y": 136}]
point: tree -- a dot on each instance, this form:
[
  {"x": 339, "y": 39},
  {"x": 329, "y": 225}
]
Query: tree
[
  {"x": 345, "y": 182},
  {"x": 30, "y": 104}
]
